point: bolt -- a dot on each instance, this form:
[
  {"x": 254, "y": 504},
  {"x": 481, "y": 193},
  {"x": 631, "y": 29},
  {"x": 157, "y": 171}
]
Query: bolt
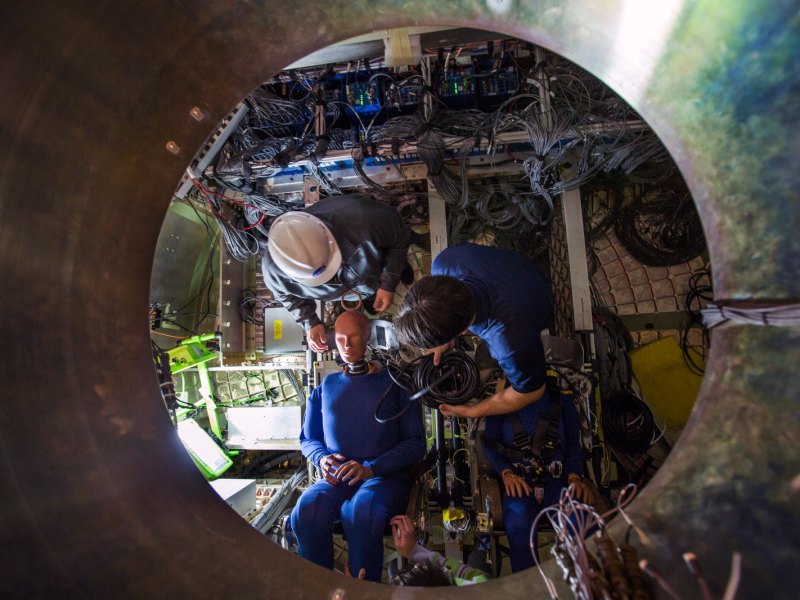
[
  {"x": 197, "y": 114},
  {"x": 173, "y": 147}
]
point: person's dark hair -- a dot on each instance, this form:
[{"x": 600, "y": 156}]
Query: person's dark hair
[
  {"x": 425, "y": 574},
  {"x": 434, "y": 311}
]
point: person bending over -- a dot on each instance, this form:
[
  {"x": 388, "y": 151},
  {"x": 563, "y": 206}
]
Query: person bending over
[
  {"x": 536, "y": 452},
  {"x": 338, "y": 245},
  {"x": 499, "y": 296},
  {"x": 364, "y": 464}
]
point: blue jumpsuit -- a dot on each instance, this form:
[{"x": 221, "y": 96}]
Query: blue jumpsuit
[
  {"x": 513, "y": 304},
  {"x": 340, "y": 419},
  {"x": 519, "y": 513}
]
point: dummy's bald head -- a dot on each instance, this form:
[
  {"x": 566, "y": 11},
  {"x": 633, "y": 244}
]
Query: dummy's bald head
[{"x": 352, "y": 334}]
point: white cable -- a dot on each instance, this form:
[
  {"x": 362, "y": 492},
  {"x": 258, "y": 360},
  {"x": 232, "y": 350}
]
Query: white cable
[
  {"x": 785, "y": 315},
  {"x": 736, "y": 572}
]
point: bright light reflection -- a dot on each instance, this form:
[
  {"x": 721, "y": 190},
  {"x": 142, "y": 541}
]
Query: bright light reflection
[{"x": 643, "y": 31}]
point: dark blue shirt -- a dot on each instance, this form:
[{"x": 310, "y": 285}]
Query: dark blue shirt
[
  {"x": 514, "y": 304},
  {"x": 500, "y": 430},
  {"x": 340, "y": 418}
]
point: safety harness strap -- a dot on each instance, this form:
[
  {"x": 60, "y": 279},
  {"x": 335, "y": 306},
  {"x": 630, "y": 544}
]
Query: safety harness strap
[{"x": 545, "y": 439}]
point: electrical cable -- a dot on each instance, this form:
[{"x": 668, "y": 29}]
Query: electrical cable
[
  {"x": 777, "y": 315},
  {"x": 613, "y": 343},
  {"x": 568, "y": 114},
  {"x": 298, "y": 389},
  {"x": 698, "y": 294},
  {"x": 399, "y": 413},
  {"x": 628, "y": 423},
  {"x": 661, "y": 228},
  {"x": 209, "y": 283},
  {"x": 454, "y": 381},
  {"x": 240, "y": 242},
  {"x": 251, "y": 307}
]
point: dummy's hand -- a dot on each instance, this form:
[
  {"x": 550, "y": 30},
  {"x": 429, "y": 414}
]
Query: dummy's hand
[
  {"x": 317, "y": 339},
  {"x": 581, "y": 491},
  {"x": 439, "y": 350},
  {"x": 516, "y": 486},
  {"x": 330, "y": 466},
  {"x": 353, "y": 472},
  {"x": 403, "y": 535},
  {"x": 461, "y": 410},
  {"x": 362, "y": 573},
  {"x": 383, "y": 300}
]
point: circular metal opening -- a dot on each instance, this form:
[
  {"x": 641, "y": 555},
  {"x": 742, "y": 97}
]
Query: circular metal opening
[
  {"x": 97, "y": 496},
  {"x": 354, "y": 87}
]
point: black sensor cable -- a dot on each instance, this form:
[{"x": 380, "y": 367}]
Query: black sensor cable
[{"x": 454, "y": 381}]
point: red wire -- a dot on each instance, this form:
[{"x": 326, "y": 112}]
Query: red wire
[
  {"x": 260, "y": 220},
  {"x": 205, "y": 191}
]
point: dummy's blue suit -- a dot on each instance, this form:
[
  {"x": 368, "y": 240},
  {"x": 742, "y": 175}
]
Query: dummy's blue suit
[
  {"x": 340, "y": 420},
  {"x": 519, "y": 513}
]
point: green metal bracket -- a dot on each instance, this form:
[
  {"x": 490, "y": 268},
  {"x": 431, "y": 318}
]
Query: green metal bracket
[{"x": 193, "y": 353}]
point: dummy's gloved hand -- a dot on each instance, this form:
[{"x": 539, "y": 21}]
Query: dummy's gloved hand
[
  {"x": 383, "y": 300},
  {"x": 329, "y": 465},
  {"x": 317, "y": 339},
  {"x": 581, "y": 491},
  {"x": 353, "y": 472},
  {"x": 515, "y": 485},
  {"x": 403, "y": 535}
]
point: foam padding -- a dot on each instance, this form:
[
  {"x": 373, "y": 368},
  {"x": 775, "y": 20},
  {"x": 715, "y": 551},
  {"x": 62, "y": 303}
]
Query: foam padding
[{"x": 668, "y": 386}]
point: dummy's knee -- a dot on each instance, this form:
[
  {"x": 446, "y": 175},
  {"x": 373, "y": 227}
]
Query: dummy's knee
[
  {"x": 367, "y": 513},
  {"x": 315, "y": 507},
  {"x": 518, "y": 517}
]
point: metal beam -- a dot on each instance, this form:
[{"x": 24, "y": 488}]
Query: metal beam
[{"x": 578, "y": 265}]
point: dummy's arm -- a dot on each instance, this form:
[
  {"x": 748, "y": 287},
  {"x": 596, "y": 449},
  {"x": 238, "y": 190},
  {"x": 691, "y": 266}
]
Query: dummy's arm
[{"x": 312, "y": 436}]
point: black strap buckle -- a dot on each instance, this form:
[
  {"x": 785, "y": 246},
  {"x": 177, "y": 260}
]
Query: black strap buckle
[
  {"x": 522, "y": 441},
  {"x": 556, "y": 468}
]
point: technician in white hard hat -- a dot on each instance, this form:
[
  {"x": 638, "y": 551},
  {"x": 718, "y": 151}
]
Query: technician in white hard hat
[{"x": 341, "y": 244}]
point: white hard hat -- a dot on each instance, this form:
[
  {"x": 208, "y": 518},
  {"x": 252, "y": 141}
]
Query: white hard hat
[{"x": 304, "y": 248}]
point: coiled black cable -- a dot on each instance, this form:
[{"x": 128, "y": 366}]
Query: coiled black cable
[
  {"x": 454, "y": 381},
  {"x": 628, "y": 423},
  {"x": 661, "y": 230}
]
